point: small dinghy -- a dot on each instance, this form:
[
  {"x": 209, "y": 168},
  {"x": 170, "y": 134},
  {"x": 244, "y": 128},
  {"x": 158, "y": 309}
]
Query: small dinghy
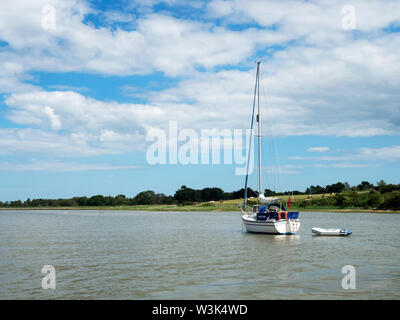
[{"x": 331, "y": 232}]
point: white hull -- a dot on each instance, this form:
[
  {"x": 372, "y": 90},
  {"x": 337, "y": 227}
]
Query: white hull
[
  {"x": 271, "y": 226},
  {"x": 331, "y": 232}
]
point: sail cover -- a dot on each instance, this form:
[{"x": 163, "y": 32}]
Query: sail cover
[{"x": 263, "y": 199}]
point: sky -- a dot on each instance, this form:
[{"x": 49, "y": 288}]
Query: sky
[{"x": 84, "y": 83}]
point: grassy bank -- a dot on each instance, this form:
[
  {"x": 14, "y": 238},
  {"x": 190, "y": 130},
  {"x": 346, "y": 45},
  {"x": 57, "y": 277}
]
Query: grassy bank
[{"x": 230, "y": 205}]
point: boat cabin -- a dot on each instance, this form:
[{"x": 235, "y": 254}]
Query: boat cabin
[{"x": 273, "y": 211}]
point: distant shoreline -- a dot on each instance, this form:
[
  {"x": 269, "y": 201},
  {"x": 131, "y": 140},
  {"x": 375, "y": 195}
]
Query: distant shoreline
[
  {"x": 339, "y": 197},
  {"x": 194, "y": 208}
]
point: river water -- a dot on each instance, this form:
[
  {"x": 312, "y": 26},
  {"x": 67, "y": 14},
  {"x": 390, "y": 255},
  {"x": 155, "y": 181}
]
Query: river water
[{"x": 194, "y": 255}]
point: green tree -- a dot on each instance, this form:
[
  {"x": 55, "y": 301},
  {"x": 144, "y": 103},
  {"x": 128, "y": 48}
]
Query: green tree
[
  {"x": 185, "y": 194},
  {"x": 337, "y": 187},
  {"x": 119, "y": 200},
  {"x": 17, "y": 203},
  {"x": 81, "y": 201},
  {"x": 391, "y": 200},
  {"x": 374, "y": 199},
  {"x": 209, "y": 194},
  {"x": 381, "y": 183},
  {"x": 339, "y": 199},
  {"x": 239, "y": 194},
  {"x": 28, "y": 203},
  {"x": 97, "y": 200},
  {"x": 316, "y": 190},
  {"x": 364, "y": 185},
  {"x": 351, "y": 198},
  {"x": 269, "y": 193},
  {"x": 145, "y": 197}
]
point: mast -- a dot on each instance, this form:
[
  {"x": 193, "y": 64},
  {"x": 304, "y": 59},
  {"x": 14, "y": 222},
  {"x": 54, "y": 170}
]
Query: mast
[
  {"x": 251, "y": 134},
  {"x": 259, "y": 130}
]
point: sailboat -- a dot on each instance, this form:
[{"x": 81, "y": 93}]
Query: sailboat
[{"x": 270, "y": 215}]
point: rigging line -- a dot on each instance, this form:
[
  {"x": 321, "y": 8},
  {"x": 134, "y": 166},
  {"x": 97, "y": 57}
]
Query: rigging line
[
  {"x": 259, "y": 131},
  {"x": 274, "y": 148},
  {"x": 269, "y": 153},
  {"x": 251, "y": 138}
]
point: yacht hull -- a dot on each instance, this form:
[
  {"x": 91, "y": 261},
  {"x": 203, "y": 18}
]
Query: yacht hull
[{"x": 271, "y": 226}]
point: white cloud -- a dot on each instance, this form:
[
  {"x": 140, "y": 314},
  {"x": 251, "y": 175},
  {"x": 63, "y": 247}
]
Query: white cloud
[
  {"x": 62, "y": 87},
  {"x": 171, "y": 45},
  {"x": 70, "y": 144},
  {"x": 316, "y": 21},
  {"x": 158, "y": 43},
  {"x": 12, "y": 77},
  {"x": 283, "y": 169},
  {"x": 346, "y": 165},
  {"x": 322, "y": 158},
  {"x": 391, "y": 153},
  {"x": 315, "y": 91},
  {"x": 61, "y": 166},
  {"x": 318, "y": 149},
  {"x": 78, "y": 113},
  {"x": 329, "y": 83},
  {"x": 33, "y": 141}
]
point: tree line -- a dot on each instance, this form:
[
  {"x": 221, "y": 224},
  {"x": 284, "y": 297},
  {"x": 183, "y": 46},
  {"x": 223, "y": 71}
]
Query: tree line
[
  {"x": 184, "y": 195},
  {"x": 371, "y": 199},
  {"x": 364, "y": 195}
]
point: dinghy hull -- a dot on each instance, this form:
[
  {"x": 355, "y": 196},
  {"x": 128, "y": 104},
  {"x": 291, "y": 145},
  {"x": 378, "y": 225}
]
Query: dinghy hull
[{"x": 331, "y": 232}]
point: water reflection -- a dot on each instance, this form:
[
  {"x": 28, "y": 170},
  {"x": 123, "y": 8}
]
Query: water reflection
[{"x": 286, "y": 238}]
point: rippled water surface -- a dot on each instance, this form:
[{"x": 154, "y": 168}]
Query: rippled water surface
[{"x": 194, "y": 255}]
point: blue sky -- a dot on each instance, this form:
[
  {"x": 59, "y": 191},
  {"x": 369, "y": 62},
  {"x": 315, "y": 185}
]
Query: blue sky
[{"x": 84, "y": 82}]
